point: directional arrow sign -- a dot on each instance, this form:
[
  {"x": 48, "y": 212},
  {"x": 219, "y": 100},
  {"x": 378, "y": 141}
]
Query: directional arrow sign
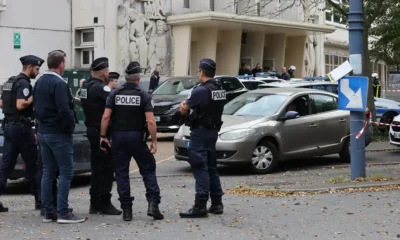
[{"x": 353, "y": 93}]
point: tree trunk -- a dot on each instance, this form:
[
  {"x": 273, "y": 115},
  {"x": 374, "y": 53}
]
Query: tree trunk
[{"x": 368, "y": 72}]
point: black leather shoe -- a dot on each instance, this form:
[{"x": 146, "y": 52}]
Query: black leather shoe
[
  {"x": 195, "y": 212},
  {"x": 127, "y": 216},
  {"x": 109, "y": 209},
  {"x": 93, "y": 209},
  {"x": 2, "y": 208},
  {"x": 216, "y": 209},
  {"x": 154, "y": 211}
]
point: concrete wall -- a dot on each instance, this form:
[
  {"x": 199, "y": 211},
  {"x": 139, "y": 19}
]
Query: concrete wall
[
  {"x": 44, "y": 25},
  {"x": 275, "y": 49},
  {"x": 181, "y": 66},
  {"x": 228, "y": 54},
  {"x": 294, "y": 54}
]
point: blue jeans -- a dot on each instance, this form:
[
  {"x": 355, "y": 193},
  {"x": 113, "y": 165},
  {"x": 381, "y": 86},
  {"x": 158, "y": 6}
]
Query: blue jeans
[
  {"x": 57, "y": 153},
  {"x": 203, "y": 160}
]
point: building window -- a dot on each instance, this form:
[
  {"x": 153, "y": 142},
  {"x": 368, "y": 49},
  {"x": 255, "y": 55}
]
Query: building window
[
  {"x": 87, "y": 57},
  {"x": 87, "y": 37},
  {"x": 332, "y": 15},
  {"x": 333, "y": 61},
  {"x": 186, "y": 3}
]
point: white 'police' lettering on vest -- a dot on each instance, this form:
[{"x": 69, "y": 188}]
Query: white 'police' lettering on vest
[
  {"x": 218, "y": 95},
  {"x": 127, "y": 100},
  {"x": 7, "y": 86},
  {"x": 83, "y": 93}
]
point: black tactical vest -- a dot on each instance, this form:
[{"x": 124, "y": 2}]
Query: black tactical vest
[
  {"x": 128, "y": 113},
  {"x": 92, "y": 104},
  {"x": 209, "y": 116},
  {"x": 9, "y": 96}
]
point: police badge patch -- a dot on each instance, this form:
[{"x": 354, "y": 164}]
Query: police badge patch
[
  {"x": 107, "y": 89},
  {"x": 25, "y": 92}
]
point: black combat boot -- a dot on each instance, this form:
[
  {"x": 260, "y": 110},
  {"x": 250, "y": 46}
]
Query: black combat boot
[
  {"x": 109, "y": 209},
  {"x": 216, "y": 205},
  {"x": 2, "y": 208},
  {"x": 95, "y": 205},
  {"x": 127, "y": 216},
  {"x": 154, "y": 211},
  {"x": 199, "y": 210}
]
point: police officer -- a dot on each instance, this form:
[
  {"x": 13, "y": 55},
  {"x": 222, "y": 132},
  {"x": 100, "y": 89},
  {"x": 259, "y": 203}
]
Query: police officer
[
  {"x": 206, "y": 104},
  {"x": 113, "y": 80},
  {"x": 16, "y": 102},
  {"x": 93, "y": 97},
  {"x": 376, "y": 85},
  {"x": 130, "y": 108}
]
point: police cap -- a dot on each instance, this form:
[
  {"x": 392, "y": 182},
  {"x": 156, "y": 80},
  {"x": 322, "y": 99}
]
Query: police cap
[
  {"x": 113, "y": 75},
  {"x": 99, "y": 64},
  {"x": 31, "y": 60},
  {"x": 133, "y": 68},
  {"x": 207, "y": 64}
]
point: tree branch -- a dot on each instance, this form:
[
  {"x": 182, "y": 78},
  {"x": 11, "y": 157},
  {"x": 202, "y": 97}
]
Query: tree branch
[{"x": 338, "y": 8}]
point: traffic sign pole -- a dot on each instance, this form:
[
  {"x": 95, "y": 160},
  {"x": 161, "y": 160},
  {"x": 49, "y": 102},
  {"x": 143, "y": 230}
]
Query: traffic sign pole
[{"x": 356, "y": 51}]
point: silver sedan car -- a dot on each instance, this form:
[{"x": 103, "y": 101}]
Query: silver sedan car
[{"x": 264, "y": 126}]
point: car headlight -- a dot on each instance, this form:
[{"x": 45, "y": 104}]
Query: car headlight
[{"x": 236, "y": 134}]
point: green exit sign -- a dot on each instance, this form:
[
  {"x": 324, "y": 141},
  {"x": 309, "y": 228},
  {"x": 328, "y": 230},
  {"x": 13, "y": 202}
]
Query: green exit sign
[{"x": 17, "y": 41}]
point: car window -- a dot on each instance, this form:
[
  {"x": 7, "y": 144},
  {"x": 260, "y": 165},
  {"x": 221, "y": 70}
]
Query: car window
[
  {"x": 175, "y": 86},
  {"x": 251, "y": 85},
  {"x": 333, "y": 88},
  {"x": 255, "y": 104},
  {"x": 300, "y": 105},
  {"x": 231, "y": 84},
  {"x": 322, "y": 103}
]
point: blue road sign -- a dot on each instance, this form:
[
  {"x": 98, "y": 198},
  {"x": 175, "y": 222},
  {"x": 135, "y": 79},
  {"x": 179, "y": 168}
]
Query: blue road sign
[{"x": 353, "y": 92}]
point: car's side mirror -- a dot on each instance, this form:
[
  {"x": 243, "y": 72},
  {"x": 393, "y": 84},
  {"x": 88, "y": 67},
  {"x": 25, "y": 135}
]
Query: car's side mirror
[{"x": 290, "y": 115}]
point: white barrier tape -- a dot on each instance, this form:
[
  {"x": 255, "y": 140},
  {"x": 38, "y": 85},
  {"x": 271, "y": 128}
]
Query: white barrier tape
[{"x": 390, "y": 90}]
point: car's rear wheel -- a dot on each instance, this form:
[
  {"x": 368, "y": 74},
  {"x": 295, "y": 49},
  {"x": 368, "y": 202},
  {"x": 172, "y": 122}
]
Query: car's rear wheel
[
  {"x": 265, "y": 158},
  {"x": 345, "y": 153}
]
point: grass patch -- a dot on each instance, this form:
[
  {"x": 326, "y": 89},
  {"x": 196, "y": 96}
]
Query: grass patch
[
  {"x": 380, "y": 134},
  {"x": 376, "y": 178}
]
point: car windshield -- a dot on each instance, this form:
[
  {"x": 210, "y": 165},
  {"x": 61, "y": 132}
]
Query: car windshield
[
  {"x": 255, "y": 104},
  {"x": 175, "y": 86}
]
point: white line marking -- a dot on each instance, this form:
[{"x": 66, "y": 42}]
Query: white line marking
[{"x": 164, "y": 160}]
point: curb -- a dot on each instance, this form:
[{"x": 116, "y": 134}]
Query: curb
[
  {"x": 355, "y": 186},
  {"x": 383, "y": 150}
]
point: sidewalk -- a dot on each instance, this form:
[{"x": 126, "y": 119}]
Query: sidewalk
[{"x": 381, "y": 146}]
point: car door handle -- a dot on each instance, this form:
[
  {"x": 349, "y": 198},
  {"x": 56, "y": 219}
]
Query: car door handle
[
  {"x": 313, "y": 125},
  {"x": 342, "y": 120}
]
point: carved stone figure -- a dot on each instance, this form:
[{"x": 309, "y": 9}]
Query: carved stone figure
[
  {"x": 123, "y": 23},
  {"x": 154, "y": 9},
  {"x": 159, "y": 49},
  {"x": 139, "y": 34},
  {"x": 145, "y": 38},
  {"x": 310, "y": 53}
]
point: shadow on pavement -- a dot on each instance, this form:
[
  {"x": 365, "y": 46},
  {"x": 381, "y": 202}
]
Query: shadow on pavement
[
  {"x": 290, "y": 165},
  {"x": 22, "y": 186}
]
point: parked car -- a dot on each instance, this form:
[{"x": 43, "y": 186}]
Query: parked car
[
  {"x": 386, "y": 109},
  {"x": 81, "y": 151},
  {"x": 265, "y": 126},
  {"x": 251, "y": 84},
  {"x": 168, "y": 96},
  {"x": 394, "y": 132}
]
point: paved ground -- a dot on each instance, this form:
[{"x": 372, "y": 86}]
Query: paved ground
[{"x": 326, "y": 216}]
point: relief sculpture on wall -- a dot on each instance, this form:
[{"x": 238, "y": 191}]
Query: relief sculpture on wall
[{"x": 145, "y": 37}]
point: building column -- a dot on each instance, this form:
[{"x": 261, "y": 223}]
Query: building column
[
  {"x": 228, "y": 53},
  {"x": 255, "y": 43},
  {"x": 182, "y": 36},
  {"x": 295, "y": 55},
  {"x": 206, "y": 44},
  {"x": 275, "y": 49}
]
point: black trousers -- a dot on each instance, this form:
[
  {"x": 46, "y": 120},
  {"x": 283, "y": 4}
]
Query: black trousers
[{"x": 102, "y": 170}]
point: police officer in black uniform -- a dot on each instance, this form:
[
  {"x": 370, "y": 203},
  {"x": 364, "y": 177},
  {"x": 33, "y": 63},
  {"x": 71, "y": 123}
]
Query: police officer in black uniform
[
  {"x": 16, "y": 102},
  {"x": 93, "y": 97},
  {"x": 130, "y": 108},
  {"x": 206, "y": 104}
]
